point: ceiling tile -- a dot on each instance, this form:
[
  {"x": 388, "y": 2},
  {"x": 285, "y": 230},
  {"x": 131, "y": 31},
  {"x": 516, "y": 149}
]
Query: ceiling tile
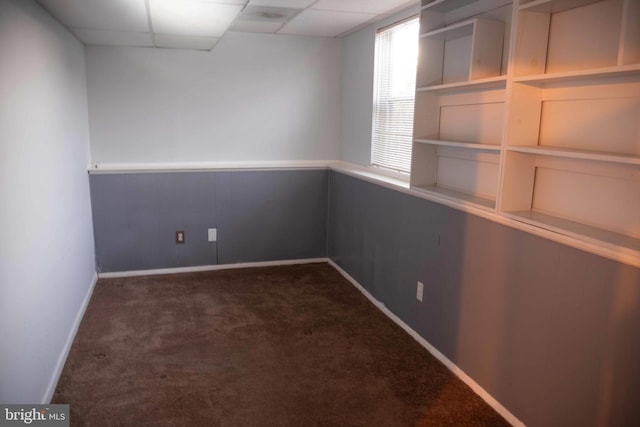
[
  {"x": 298, "y": 4},
  {"x": 185, "y": 42},
  {"x": 324, "y": 23},
  {"x": 113, "y": 15},
  {"x": 113, "y": 38},
  {"x": 196, "y": 24},
  {"x": 192, "y": 17},
  {"x": 362, "y": 6}
]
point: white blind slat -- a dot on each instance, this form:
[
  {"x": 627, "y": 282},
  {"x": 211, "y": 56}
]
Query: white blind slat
[{"x": 393, "y": 95}]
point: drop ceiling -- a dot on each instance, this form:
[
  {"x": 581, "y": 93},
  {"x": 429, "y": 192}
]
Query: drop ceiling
[{"x": 199, "y": 24}]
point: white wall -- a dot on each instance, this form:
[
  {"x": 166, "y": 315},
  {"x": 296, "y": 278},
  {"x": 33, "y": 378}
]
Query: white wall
[
  {"x": 46, "y": 250},
  {"x": 357, "y": 62},
  {"x": 253, "y": 97}
]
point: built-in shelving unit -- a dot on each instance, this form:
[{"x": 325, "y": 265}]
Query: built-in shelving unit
[
  {"x": 572, "y": 161},
  {"x": 531, "y": 109},
  {"x": 461, "y": 79}
]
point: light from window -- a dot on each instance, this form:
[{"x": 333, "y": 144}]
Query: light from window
[{"x": 396, "y": 60}]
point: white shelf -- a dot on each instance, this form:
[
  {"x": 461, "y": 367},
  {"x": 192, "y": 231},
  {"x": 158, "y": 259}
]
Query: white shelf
[
  {"x": 575, "y": 229},
  {"x": 452, "y": 32},
  {"x": 468, "y": 145},
  {"x": 600, "y": 156},
  {"x": 458, "y": 197},
  {"x": 497, "y": 82},
  {"x": 445, "y": 6},
  {"x": 544, "y": 80},
  {"x": 554, "y": 6}
]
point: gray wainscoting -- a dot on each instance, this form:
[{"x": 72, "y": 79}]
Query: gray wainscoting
[
  {"x": 553, "y": 333},
  {"x": 259, "y": 215}
]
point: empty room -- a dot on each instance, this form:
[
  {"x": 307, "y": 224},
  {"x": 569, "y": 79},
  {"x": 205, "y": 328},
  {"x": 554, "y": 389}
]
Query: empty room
[{"x": 320, "y": 212}]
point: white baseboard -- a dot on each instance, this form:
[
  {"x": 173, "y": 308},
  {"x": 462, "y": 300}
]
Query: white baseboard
[
  {"x": 209, "y": 268},
  {"x": 491, "y": 401},
  {"x": 53, "y": 382}
]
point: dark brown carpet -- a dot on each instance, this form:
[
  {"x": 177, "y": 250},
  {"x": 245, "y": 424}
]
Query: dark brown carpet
[{"x": 279, "y": 346}]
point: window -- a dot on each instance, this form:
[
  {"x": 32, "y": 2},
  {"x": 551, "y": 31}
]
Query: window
[{"x": 393, "y": 94}]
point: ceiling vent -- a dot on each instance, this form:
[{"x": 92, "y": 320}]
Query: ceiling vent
[{"x": 263, "y": 19}]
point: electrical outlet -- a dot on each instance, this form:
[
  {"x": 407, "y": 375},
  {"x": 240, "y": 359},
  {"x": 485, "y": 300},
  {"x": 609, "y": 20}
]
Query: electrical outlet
[
  {"x": 212, "y": 234},
  {"x": 180, "y": 237},
  {"x": 419, "y": 291}
]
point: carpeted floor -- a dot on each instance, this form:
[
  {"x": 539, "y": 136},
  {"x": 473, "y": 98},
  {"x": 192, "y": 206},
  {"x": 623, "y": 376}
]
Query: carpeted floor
[{"x": 277, "y": 346}]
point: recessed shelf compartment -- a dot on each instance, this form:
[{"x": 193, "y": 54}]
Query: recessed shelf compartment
[
  {"x": 601, "y": 116},
  {"x": 467, "y": 117},
  {"x": 591, "y": 194},
  {"x": 563, "y": 36},
  {"x": 470, "y": 175},
  {"x": 465, "y": 51}
]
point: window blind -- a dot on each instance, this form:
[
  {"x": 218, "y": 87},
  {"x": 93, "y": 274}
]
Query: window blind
[{"x": 396, "y": 59}]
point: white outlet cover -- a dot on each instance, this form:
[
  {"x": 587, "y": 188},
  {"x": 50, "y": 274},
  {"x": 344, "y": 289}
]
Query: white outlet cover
[
  {"x": 419, "y": 291},
  {"x": 213, "y": 234}
]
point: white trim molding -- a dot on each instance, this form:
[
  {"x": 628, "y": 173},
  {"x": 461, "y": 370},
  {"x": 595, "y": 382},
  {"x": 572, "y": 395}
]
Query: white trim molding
[
  {"x": 62, "y": 358},
  {"x": 105, "y": 168},
  {"x": 477, "y": 388},
  {"x": 112, "y": 275}
]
